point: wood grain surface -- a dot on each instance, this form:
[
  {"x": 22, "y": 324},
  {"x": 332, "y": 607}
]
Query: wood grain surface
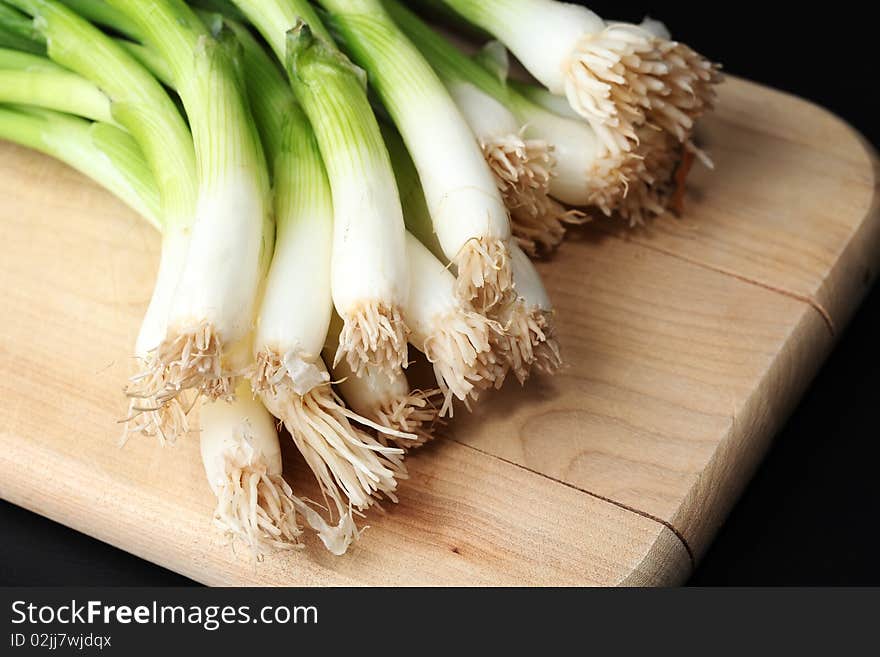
[{"x": 688, "y": 342}]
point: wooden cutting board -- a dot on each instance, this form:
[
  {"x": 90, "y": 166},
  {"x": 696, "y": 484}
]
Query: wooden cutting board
[{"x": 688, "y": 341}]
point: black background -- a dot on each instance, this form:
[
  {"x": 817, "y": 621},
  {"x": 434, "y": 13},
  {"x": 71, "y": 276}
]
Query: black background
[{"x": 809, "y": 516}]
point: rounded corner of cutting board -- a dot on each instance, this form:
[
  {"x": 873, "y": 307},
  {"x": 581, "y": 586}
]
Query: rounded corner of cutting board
[{"x": 667, "y": 562}]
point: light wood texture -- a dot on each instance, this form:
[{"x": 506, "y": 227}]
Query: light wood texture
[{"x": 688, "y": 343}]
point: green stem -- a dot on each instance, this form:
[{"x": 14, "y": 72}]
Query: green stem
[
  {"x": 271, "y": 97},
  {"x": 332, "y": 92},
  {"x": 369, "y": 248},
  {"x": 19, "y": 25},
  {"x": 104, "y": 153},
  {"x": 15, "y": 60},
  {"x": 138, "y": 101},
  {"x": 274, "y": 18},
  {"x": 16, "y": 41},
  {"x": 56, "y": 90},
  {"x": 439, "y": 12},
  {"x": 300, "y": 180},
  {"x": 149, "y": 59},
  {"x": 100, "y": 12},
  {"x": 446, "y": 59},
  {"x": 204, "y": 73}
]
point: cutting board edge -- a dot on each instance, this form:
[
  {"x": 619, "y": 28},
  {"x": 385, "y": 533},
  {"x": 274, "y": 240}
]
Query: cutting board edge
[
  {"x": 861, "y": 254},
  {"x": 664, "y": 561}
]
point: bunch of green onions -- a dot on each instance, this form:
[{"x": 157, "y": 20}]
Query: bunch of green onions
[{"x": 334, "y": 186}]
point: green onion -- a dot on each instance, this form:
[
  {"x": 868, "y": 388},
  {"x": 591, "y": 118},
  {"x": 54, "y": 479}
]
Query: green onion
[
  {"x": 138, "y": 101},
  {"x": 149, "y": 59},
  {"x": 469, "y": 216},
  {"x": 18, "y": 31},
  {"x": 281, "y": 198},
  {"x": 139, "y": 104},
  {"x": 239, "y": 444},
  {"x": 532, "y": 157},
  {"x": 350, "y": 465},
  {"x": 456, "y": 340},
  {"x": 241, "y": 455},
  {"x": 387, "y": 401},
  {"x": 540, "y": 96},
  {"x": 369, "y": 277},
  {"x": 634, "y": 184},
  {"x": 545, "y": 354},
  {"x": 617, "y": 76},
  {"x": 290, "y": 314},
  {"x": 214, "y": 305},
  {"x": 101, "y": 12},
  {"x": 11, "y": 40},
  {"x": 519, "y": 327}
]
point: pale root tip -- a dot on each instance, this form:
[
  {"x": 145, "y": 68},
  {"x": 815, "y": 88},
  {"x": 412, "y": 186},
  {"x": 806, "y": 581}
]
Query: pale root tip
[
  {"x": 540, "y": 233},
  {"x": 373, "y": 336},
  {"x": 165, "y": 421},
  {"x": 461, "y": 353},
  {"x": 193, "y": 360},
  {"x": 154, "y": 408},
  {"x": 485, "y": 278},
  {"x": 625, "y": 77},
  {"x": 660, "y": 184},
  {"x": 254, "y": 506},
  {"x": 351, "y": 466},
  {"x": 609, "y": 78},
  {"x": 418, "y": 413},
  {"x": 528, "y": 341},
  {"x": 336, "y": 538},
  {"x": 188, "y": 361},
  {"x": 691, "y": 81},
  {"x": 548, "y": 356},
  {"x": 522, "y": 169}
]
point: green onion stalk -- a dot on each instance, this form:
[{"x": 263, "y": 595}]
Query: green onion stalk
[
  {"x": 454, "y": 337},
  {"x": 140, "y": 105},
  {"x": 369, "y": 277},
  {"x": 241, "y": 454},
  {"x": 296, "y": 317},
  {"x": 521, "y": 157},
  {"x": 650, "y": 176},
  {"x": 468, "y": 213},
  {"x": 34, "y": 80},
  {"x": 521, "y": 335},
  {"x": 351, "y": 466},
  {"x": 102, "y": 14},
  {"x": 101, "y": 151},
  {"x": 618, "y": 76},
  {"x": 585, "y": 174},
  {"x": 210, "y": 324},
  {"x": 387, "y": 401},
  {"x": 17, "y": 31}
]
